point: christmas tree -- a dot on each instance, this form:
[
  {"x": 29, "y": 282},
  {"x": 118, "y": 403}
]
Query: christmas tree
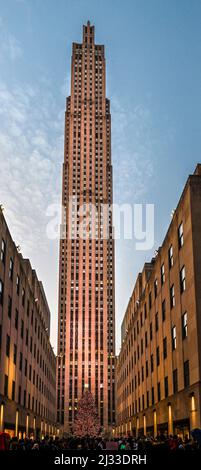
[{"x": 87, "y": 421}]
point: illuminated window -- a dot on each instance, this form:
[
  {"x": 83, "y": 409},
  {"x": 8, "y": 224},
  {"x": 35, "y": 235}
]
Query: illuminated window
[
  {"x": 164, "y": 348},
  {"x": 170, "y": 257},
  {"x": 180, "y": 235},
  {"x": 3, "y": 251},
  {"x": 182, "y": 280},
  {"x": 1, "y": 291},
  {"x": 11, "y": 265},
  {"x": 163, "y": 274},
  {"x": 174, "y": 338},
  {"x": 172, "y": 296},
  {"x": 184, "y": 325}
]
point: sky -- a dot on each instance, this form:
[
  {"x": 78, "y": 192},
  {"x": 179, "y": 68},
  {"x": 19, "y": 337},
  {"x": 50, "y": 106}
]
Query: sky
[{"x": 153, "y": 53}]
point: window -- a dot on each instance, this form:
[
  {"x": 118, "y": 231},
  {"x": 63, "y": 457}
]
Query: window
[
  {"x": 11, "y": 264},
  {"x": 151, "y": 332},
  {"x": 23, "y": 296},
  {"x": 25, "y": 396},
  {"x": 28, "y": 308},
  {"x": 27, "y": 337},
  {"x": 159, "y": 391},
  {"x": 174, "y": 338},
  {"x": 147, "y": 369},
  {"x": 147, "y": 399},
  {"x": 152, "y": 395},
  {"x": 19, "y": 395},
  {"x": 20, "y": 366},
  {"x": 170, "y": 257},
  {"x": 18, "y": 285},
  {"x": 22, "y": 329},
  {"x": 156, "y": 321},
  {"x": 7, "y": 345},
  {"x": 3, "y": 251},
  {"x": 16, "y": 319},
  {"x": 155, "y": 288},
  {"x": 13, "y": 390},
  {"x": 166, "y": 386},
  {"x": 186, "y": 374},
  {"x": 163, "y": 310},
  {"x": 172, "y": 296},
  {"x": 1, "y": 292},
  {"x": 182, "y": 280},
  {"x": 157, "y": 356},
  {"x": 180, "y": 235},
  {"x": 164, "y": 348},
  {"x": 150, "y": 301},
  {"x": 25, "y": 368},
  {"x": 175, "y": 381},
  {"x": 184, "y": 321},
  {"x": 9, "y": 306},
  {"x": 152, "y": 363},
  {"x": 15, "y": 354},
  {"x": 6, "y": 385},
  {"x": 146, "y": 339},
  {"x": 145, "y": 311},
  {"x": 162, "y": 274}
]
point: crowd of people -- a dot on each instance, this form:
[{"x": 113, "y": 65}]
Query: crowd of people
[{"x": 141, "y": 445}]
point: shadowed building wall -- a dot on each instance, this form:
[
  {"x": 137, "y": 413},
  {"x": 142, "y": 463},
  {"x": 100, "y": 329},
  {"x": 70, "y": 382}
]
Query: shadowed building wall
[
  {"x": 158, "y": 368},
  {"x": 27, "y": 360}
]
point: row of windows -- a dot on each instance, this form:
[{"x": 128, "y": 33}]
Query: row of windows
[
  {"x": 184, "y": 321},
  {"x": 16, "y": 319},
  {"x": 174, "y": 342},
  {"x": 38, "y": 357},
  {"x": 165, "y": 351},
  {"x": 37, "y": 407},
  {"x": 182, "y": 275},
  {"x": 140, "y": 405},
  {"x": 182, "y": 279}
]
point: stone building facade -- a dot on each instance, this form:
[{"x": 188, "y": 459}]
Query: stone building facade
[
  {"x": 159, "y": 365},
  {"x": 27, "y": 360}
]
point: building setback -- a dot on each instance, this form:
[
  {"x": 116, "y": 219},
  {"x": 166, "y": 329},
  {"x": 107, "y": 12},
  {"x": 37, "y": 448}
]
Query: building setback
[
  {"x": 86, "y": 340},
  {"x": 159, "y": 365},
  {"x": 27, "y": 361}
]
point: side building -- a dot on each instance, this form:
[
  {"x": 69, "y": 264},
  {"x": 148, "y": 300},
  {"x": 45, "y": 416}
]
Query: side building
[
  {"x": 27, "y": 361},
  {"x": 159, "y": 365}
]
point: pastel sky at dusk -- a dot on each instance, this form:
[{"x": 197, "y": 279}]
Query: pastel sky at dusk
[{"x": 153, "y": 53}]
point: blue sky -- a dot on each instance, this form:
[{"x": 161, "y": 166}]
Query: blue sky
[{"x": 153, "y": 51}]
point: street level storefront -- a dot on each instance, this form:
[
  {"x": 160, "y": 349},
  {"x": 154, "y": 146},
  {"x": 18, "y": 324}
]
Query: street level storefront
[
  {"x": 17, "y": 421},
  {"x": 177, "y": 417}
]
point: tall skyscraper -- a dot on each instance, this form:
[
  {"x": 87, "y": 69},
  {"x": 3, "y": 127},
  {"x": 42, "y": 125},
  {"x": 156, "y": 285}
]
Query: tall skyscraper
[{"x": 86, "y": 338}]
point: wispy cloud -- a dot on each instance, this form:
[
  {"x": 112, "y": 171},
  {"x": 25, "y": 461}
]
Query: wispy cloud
[
  {"x": 133, "y": 151},
  {"x": 65, "y": 88},
  {"x": 31, "y": 151},
  {"x": 10, "y": 47}
]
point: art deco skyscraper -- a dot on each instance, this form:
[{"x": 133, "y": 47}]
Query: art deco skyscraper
[{"x": 86, "y": 339}]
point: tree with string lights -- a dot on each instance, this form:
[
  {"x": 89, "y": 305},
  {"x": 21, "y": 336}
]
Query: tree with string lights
[{"x": 86, "y": 422}]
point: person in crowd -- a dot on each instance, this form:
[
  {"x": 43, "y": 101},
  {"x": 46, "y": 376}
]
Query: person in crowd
[{"x": 142, "y": 444}]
